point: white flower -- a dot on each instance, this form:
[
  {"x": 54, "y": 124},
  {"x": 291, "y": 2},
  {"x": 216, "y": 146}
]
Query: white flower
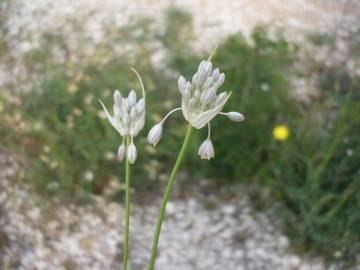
[
  {"x": 132, "y": 153},
  {"x": 89, "y": 176},
  {"x": 121, "y": 152},
  {"x": 235, "y": 116},
  {"x": 200, "y": 103},
  {"x": 206, "y": 150},
  {"x": 155, "y": 134},
  {"x": 128, "y": 117}
]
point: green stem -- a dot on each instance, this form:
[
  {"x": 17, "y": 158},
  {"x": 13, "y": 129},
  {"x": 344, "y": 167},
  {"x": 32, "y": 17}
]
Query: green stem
[
  {"x": 127, "y": 208},
  {"x": 165, "y": 199}
]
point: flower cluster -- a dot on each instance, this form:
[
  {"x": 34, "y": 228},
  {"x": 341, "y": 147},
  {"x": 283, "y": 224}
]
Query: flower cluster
[
  {"x": 200, "y": 104},
  {"x": 128, "y": 119}
]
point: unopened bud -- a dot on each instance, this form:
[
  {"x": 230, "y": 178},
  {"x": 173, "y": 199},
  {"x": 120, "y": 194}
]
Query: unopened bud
[
  {"x": 132, "y": 153},
  {"x": 155, "y": 134},
  {"x": 121, "y": 152},
  {"x": 235, "y": 116}
]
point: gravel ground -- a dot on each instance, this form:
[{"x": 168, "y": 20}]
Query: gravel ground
[{"x": 200, "y": 232}]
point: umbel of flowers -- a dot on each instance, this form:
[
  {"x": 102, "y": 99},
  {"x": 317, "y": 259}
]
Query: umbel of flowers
[
  {"x": 128, "y": 119},
  {"x": 200, "y": 103}
]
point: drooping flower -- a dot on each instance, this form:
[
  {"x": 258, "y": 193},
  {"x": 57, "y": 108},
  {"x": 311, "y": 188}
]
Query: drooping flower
[
  {"x": 206, "y": 150},
  {"x": 200, "y": 103},
  {"x": 128, "y": 118},
  {"x": 155, "y": 134},
  {"x": 121, "y": 152},
  {"x": 132, "y": 153}
]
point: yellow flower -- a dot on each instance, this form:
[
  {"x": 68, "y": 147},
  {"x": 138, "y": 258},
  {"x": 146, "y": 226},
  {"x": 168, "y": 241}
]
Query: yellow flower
[{"x": 281, "y": 132}]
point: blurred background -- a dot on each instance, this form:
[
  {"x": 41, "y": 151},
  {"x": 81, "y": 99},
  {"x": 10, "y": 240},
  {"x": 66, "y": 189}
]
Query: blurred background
[{"x": 283, "y": 189}]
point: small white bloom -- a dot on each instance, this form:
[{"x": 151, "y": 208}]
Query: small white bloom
[
  {"x": 132, "y": 153},
  {"x": 206, "y": 150},
  {"x": 235, "y": 116},
  {"x": 128, "y": 117},
  {"x": 200, "y": 103},
  {"x": 155, "y": 134},
  {"x": 131, "y": 98},
  {"x": 121, "y": 152},
  {"x": 89, "y": 176}
]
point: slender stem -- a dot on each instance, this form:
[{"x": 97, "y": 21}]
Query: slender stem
[
  {"x": 169, "y": 113},
  {"x": 127, "y": 208},
  {"x": 165, "y": 199}
]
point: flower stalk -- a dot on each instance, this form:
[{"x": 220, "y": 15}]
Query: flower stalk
[
  {"x": 166, "y": 197},
  {"x": 200, "y": 104},
  {"x": 128, "y": 119},
  {"x": 127, "y": 207}
]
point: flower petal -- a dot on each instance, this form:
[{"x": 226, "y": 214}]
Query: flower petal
[
  {"x": 203, "y": 118},
  {"x": 116, "y": 124}
]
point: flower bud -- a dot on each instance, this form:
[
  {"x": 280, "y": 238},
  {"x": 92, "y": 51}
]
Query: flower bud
[
  {"x": 220, "y": 98},
  {"x": 206, "y": 150},
  {"x": 155, "y": 134},
  {"x": 208, "y": 95},
  {"x": 117, "y": 111},
  {"x": 132, "y": 98},
  {"x": 140, "y": 106},
  {"x": 209, "y": 81},
  {"x": 215, "y": 74},
  {"x": 202, "y": 65},
  {"x": 182, "y": 84},
  {"x": 220, "y": 80},
  {"x": 132, "y": 153},
  {"x": 117, "y": 98},
  {"x": 187, "y": 95},
  {"x": 198, "y": 78},
  {"x": 235, "y": 116},
  {"x": 121, "y": 152},
  {"x": 133, "y": 114}
]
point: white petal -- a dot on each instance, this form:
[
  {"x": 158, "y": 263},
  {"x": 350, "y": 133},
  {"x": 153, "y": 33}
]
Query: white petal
[
  {"x": 116, "y": 124},
  {"x": 206, "y": 150},
  {"x": 220, "y": 98},
  {"x": 207, "y": 68},
  {"x": 117, "y": 98},
  {"x": 200, "y": 78},
  {"x": 132, "y": 98},
  {"x": 202, "y": 65},
  {"x": 121, "y": 152},
  {"x": 208, "y": 95},
  {"x": 187, "y": 95},
  {"x": 194, "y": 78},
  {"x": 140, "y": 106},
  {"x": 186, "y": 109},
  {"x": 235, "y": 116},
  {"x": 132, "y": 153},
  {"x": 203, "y": 118},
  {"x": 215, "y": 74},
  {"x": 221, "y": 80},
  {"x": 155, "y": 134},
  {"x": 182, "y": 84},
  {"x": 138, "y": 125},
  {"x": 133, "y": 114},
  {"x": 209, "y": 81},
  {"x": 117, "y": 111}
]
